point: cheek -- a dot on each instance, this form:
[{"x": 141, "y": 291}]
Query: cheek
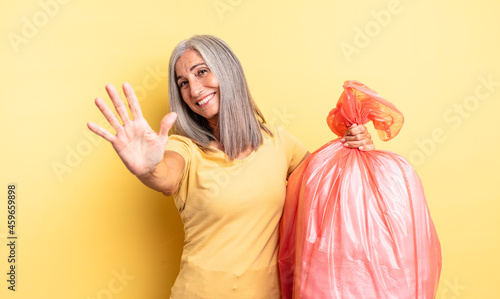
[
  {"x": 213, "y": 82},
  {"x": 185, "y": 96}
]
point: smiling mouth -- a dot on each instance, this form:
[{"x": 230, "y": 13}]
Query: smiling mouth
[{"x": 205, "y": 100}]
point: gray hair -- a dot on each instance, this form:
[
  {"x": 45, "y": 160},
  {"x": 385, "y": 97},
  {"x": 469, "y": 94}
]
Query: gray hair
[{"x": 240, "y": 120}]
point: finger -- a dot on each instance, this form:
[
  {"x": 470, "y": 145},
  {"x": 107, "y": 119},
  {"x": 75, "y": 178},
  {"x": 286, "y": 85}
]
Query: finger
[
  {"x": 108, "y": 114},
  {"x": 355, "y": 130},
  {"x": 101, "y": 132},
  {"x": 166, "y": 124},
  {"x": 367, "y": 148},
  {"x": 351, "y": 127},
  {"x": 118, "y": 103},
  {"x": 133, "y": 103},
  {"x": 347, "y": 132},
  {"x": 358, "y": 143},
  {"x": 357, "y": 137},
  {"x": 353, "y": 144},
  {"x": 352, "y": 138}
]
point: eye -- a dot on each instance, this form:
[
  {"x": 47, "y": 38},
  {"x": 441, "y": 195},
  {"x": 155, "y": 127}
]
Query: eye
[
  {"x": 182, "y": 83},
  {"x": 202, "y": 71}
]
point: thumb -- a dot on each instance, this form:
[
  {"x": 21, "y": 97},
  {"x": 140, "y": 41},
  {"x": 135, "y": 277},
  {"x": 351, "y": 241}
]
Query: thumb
[{"x": 166, "y": 123}]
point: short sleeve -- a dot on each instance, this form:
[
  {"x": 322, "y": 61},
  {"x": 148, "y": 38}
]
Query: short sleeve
[
  {"x": 180, "y": 145},
  {"x": 184, "y": 147},
  {"x": 294, "y": 149}
]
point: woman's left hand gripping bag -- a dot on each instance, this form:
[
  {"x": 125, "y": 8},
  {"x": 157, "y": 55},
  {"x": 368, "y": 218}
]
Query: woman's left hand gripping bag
[{"x": 356, "y": 224}]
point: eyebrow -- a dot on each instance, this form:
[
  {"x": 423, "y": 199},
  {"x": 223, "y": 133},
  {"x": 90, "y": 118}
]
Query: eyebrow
[{"x": 192, "y": 68}]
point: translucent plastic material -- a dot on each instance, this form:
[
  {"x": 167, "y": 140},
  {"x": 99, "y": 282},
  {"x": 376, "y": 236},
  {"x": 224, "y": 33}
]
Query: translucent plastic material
[{"x": 356, "y": 224}]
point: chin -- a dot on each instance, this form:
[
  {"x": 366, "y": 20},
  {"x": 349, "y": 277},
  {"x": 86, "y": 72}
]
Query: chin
[{"x": 209, "y": 114}]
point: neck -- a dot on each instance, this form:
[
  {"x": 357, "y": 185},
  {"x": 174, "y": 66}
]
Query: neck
[{"x": 214, "y": 124}]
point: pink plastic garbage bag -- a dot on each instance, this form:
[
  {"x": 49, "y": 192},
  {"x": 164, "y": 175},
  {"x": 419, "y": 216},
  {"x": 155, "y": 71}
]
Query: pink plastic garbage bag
[{"x": 356, "y": 224}]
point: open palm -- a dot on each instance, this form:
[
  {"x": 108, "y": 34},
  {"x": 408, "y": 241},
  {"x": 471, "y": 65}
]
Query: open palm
[{"x": 140, "y": 147}]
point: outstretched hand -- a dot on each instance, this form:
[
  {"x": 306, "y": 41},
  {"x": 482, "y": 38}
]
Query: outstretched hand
[
  {"x": 139, "y": 147},
  {"x": 357, "y": 136}
]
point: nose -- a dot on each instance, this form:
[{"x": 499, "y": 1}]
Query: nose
[{"x": 196, "y": 87}]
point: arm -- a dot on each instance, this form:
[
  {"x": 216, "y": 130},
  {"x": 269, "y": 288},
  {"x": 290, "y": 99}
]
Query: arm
[
  {"x": 299, "y": 165},
  {"x": 141, "y": 149},
  {"x": 167, "y": 175}
]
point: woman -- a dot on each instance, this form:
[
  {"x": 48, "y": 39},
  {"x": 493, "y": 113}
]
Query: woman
[{"x": 225, "y": 168}]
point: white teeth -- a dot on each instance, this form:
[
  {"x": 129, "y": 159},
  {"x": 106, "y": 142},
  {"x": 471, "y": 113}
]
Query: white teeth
[{"x": 205, "y": 100}]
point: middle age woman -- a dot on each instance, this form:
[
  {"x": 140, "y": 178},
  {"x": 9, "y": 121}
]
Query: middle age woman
[{"x": 226, "y": 169}]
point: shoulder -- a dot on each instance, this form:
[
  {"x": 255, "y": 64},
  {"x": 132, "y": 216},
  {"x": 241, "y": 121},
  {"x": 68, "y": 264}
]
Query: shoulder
[
  {"x": 294, "y": 151},
  {"x": 275, "y": 130},
  {"x": 181, "y": 139},
  {"x": 181, "y": 145},
  {"x": 283, "y": 139},
  {"x": 281, "y": 134}
]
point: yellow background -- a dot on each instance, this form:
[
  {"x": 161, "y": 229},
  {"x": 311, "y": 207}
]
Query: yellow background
[{"x": 88, "y": 229}]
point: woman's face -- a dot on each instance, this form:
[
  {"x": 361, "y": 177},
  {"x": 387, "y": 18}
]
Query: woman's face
[{"x": 198, "y": 85}]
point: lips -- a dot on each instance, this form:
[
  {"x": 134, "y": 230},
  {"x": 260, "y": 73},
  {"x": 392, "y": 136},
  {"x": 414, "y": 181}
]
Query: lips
[{"x": 205, "y": 99}]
